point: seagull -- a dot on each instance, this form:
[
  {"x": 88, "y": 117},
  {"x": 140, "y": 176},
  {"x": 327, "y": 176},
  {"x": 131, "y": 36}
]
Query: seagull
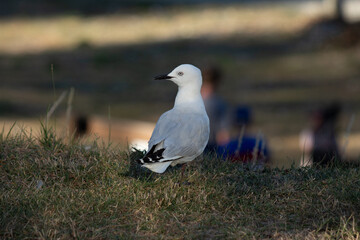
[{"x": 181, "y": 134}]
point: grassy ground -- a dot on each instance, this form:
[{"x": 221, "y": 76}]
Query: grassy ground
[{"x": 50, "y": 189}]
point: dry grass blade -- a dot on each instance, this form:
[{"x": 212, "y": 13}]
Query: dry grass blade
[
  {"x": 55, "y": 105},
  {"x": 347, "y": 134},
  {"x": 68, "y": 110}
]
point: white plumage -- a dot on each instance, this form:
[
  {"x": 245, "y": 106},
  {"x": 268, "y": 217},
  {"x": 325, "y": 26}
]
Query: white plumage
[{"x": 181, "y": 134}]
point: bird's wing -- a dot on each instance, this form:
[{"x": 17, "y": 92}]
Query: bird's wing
[
  {"x": 182, "y": 134},
  {"x": 162, "y": 129}
]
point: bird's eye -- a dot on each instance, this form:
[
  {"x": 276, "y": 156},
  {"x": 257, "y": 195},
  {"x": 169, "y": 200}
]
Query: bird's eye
[{"x": 180, "y": 73}]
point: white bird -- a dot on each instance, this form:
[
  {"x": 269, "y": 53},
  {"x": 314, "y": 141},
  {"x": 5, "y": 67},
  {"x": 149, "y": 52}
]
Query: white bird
[{"x": 181, "y": 134}]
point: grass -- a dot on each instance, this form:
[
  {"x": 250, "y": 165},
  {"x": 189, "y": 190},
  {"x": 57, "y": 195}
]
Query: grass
[{"x": 51, "y": 189}]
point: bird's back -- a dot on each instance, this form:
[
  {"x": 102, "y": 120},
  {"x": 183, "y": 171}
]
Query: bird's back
[{"x": 183, "y": 133}]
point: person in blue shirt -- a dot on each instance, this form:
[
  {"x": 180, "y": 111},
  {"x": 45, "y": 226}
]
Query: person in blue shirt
[{"x": 245, "y": 147}]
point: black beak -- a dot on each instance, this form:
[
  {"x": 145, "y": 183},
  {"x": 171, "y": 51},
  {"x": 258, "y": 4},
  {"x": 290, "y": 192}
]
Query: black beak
[{"x": 162, "y": 77}]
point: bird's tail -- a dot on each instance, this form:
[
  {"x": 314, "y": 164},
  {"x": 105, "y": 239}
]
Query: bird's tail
[{"x": 158, "y": 167}]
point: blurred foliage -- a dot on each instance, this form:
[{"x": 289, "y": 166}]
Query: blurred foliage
[
  {"x": 278, "y": 59},
  {"x": 6, "y": 107}
]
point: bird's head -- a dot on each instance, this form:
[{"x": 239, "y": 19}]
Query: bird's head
[{"x": 183, "y": 75}]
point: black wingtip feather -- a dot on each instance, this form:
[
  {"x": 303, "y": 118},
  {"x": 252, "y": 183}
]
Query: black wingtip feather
[{"x": 152, "y": 156}]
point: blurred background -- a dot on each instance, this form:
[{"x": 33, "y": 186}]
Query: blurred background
[{"x": 281, "y": 61}]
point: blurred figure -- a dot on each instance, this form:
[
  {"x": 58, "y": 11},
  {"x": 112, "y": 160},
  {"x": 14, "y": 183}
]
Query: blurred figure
[
  {"x": 319, "y": 143},
  {"x": 216, "y": 108},
  {"x": 245, "y": 147},
  {"x": 80, "y": 126}
]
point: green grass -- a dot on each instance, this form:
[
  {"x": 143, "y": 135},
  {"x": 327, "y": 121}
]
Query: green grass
[{"x": 53, "y": 189}]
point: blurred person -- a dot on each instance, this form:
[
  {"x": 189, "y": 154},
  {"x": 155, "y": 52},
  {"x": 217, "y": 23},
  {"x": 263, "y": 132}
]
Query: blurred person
[
  {"x": 216, "y": 108},
  {"x": 80, "y": 126},
  {"x": 319, "y": 143},
  {"x": 245, "y": 147}
]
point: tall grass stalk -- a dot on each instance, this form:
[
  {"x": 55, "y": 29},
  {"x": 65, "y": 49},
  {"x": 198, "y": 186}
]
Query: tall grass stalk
[
  {"x": 54, "y": 106},
  {"x": 52, "y": 80},
  {"x": 256, "y": 147},
  {"x": 306, "y": 159},
  {"x": 240, "y": 139},
  {"x": 68, "y": 111},
  {"x": 109, "y": 118},
  {"x": 347, "y": 134},
  {"x": 8, "y": 134},
  {"x": 263, "y": 145}
]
